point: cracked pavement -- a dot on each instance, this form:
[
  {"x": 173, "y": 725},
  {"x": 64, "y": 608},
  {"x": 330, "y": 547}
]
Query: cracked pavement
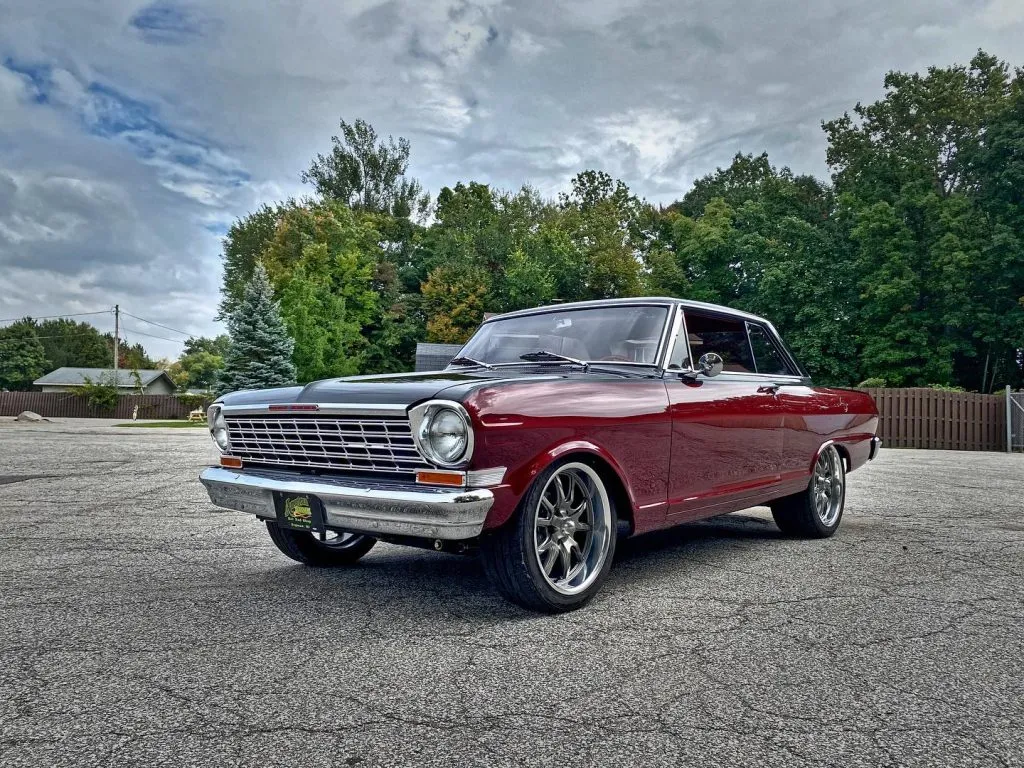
[{"x": 140, "y": 625}]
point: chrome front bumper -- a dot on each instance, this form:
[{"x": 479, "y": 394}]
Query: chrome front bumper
[{"x": 376, "y": 508}]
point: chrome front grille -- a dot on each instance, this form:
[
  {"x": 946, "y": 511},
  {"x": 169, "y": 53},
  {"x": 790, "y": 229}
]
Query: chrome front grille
[{"x": 342, "y": 443}]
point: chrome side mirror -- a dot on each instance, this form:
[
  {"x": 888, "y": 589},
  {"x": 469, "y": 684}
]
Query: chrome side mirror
[{"x": 710, "y": 364}]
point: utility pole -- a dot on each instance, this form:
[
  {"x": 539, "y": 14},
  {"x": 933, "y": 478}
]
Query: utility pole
[{"x": 117, "y": 337}]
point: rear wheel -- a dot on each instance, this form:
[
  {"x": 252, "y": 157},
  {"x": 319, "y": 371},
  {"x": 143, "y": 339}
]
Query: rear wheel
[
  {"x": 555, "y": 554},
  {"x": 816, "y": 512},
  {"x": 327, "y": 550}
]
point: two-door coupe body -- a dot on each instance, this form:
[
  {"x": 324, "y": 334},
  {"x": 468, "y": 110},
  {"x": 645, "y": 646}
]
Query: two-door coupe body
[{"x": 554, "y": 432}]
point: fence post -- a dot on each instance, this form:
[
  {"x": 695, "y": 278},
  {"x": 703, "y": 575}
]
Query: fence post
[{"x": 1009, "y": 422}]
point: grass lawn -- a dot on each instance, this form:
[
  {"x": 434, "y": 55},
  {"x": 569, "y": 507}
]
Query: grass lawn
[{"x": 172, "y": 424}]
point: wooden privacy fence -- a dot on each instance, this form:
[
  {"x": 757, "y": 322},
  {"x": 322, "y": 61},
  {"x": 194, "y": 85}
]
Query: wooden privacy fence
[
  {"x": 910, "y": 418},
  {"x": 933, "y": 418},
  {"x": 70, "y": 405}
]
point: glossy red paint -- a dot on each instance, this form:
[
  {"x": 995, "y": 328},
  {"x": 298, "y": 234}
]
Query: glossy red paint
[{"x": 682, "y": 449}]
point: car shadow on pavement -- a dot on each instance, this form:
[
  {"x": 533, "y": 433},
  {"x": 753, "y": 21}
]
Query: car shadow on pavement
[
  {"x": 708, "y": 535},
  {"x": 419, "y": 584}
]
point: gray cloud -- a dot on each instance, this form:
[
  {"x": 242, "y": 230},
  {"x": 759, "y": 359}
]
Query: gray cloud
[{"x": 134, "y": 132}]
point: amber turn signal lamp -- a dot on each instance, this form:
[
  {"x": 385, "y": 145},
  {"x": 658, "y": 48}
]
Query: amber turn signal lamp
[
  {"x": 231, "y": 461},
  {"x": 456, "y": 479}
]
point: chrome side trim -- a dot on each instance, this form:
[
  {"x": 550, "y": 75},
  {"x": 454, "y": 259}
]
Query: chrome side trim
[
  {"x": 399, "y": 509},
  {"x": 329, "y": 409}
]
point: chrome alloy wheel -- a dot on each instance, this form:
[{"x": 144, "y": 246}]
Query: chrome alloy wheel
[
  {"x": 829, "y": 481},
  {"x": 572, "y": 528}
]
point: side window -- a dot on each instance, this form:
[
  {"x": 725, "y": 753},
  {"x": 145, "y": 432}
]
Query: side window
[
  {"x": 767, "y": 356},
  {"x": 724, "y": 336}
]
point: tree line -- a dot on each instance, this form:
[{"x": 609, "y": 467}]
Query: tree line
[
  {"x": 30, "y": 348},
  {"x": 906, "y": 267}
]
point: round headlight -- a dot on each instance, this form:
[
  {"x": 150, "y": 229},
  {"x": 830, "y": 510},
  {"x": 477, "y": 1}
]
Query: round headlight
[
  {"x": 444, "y": 435},
  {"x": 218, "y": 427}
]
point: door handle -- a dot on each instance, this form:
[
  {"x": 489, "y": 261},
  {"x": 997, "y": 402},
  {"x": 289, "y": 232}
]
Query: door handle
[{"x": 768, "y": 389}]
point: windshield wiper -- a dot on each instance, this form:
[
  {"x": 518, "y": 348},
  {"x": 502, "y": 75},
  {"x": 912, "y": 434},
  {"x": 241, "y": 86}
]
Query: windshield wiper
[
  {"x": 462, "y": 360},
  {"x": 543, "y": 355}
]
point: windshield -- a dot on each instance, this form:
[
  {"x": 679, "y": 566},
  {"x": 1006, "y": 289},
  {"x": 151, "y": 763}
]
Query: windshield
[{"x": 624, "y": 334}]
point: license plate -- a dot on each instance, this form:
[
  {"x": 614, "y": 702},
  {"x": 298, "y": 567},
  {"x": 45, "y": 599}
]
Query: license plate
[{"x": 301, "y": 513}]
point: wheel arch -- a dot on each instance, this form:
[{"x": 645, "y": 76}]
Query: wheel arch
[
  {"x": 603, "y": 463},
  {"x": 842, "y": 450}
]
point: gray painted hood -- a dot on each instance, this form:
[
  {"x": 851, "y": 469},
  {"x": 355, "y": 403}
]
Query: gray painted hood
[{"x": 397, "y": 388}]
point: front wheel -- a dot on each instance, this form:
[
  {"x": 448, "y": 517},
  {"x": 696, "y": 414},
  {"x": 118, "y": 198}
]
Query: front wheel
[
  {"x": 555, "y": 553},
  {"x": 815, "y": 513},
  {"x": 329, "y": 550}
]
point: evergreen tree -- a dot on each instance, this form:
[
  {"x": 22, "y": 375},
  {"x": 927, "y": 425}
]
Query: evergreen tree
[{"x": 260, "y": 355}]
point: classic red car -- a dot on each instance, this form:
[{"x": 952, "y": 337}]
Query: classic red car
[{"x": 555, "y": 432}]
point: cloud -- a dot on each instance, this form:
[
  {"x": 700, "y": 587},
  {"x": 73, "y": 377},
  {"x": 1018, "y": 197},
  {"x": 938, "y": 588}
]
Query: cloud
[
  {"x": 134, "y": 132},
  {"x": 167, "y": 23}
]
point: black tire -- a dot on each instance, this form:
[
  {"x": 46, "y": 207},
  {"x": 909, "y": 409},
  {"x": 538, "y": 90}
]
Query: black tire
[
  {"x": 801, "y": 514},
  {"x": 511, "y": 554},
  {"x": 309, "y": 550}
]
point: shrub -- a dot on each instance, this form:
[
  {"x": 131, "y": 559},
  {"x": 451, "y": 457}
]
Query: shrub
[
  {"x": 875, "y": 381},
  {"x": 101, "y": 396}
]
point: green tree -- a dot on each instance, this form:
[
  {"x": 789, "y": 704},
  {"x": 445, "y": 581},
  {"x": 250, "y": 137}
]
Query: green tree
[
  {"x": 605, "y": 221},
  {"x": 322, "y": 262},
  {"x": 328, "y": 340},
  {"x": 932, "y": 259},
  {"x": 200, "y": 364},
  {"x": 197, "y": 370},
  {"x": 243, "y": 246},
  {"x": 260, "y": 354},
  {"x": 995, "y": 167},
  {"x": 454, "y": 299},
  {"x": 366, "y": 173},
  {"x": 73, "y": 344},
  {"x": 22, "y": 357},
  {"x": 217, "y": 345},
  {"x": 130, "y": 356}
]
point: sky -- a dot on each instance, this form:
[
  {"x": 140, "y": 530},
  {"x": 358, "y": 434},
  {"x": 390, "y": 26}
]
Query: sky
[{"x": 133, "y": 133}]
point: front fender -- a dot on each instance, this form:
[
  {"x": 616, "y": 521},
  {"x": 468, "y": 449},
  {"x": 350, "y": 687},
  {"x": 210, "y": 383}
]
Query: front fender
[
  {"x": 525, "y": 425},
  {"x": 518, "y": 482}
]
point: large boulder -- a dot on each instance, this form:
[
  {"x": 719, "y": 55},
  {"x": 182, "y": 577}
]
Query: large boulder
[{"x": 29, "y": 416}]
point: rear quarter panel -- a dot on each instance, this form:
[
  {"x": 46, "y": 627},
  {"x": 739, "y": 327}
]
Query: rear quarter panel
[
  {"x": 524, "y": 426},
  {"x": 817, "y": 415}
]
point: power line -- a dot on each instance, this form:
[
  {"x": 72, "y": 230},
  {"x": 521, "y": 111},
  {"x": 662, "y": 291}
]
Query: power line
[
  {"x": 103, "y": 335},
  {"x": 57, "y": 317},
  {"x": 127, "y": 330},
  {"x": 160, "y": 325}
]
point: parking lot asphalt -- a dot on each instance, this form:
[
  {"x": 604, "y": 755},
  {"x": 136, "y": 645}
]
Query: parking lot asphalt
[{"x": 140, "y": 625}]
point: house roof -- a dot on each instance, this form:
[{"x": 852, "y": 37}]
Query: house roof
[
  {"x": 75, "y": 377},
  {"x": 428, "y": 348}
]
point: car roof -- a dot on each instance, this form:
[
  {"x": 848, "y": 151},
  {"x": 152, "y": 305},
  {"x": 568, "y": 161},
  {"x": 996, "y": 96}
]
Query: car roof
[{"x": 637, "y": 301}]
